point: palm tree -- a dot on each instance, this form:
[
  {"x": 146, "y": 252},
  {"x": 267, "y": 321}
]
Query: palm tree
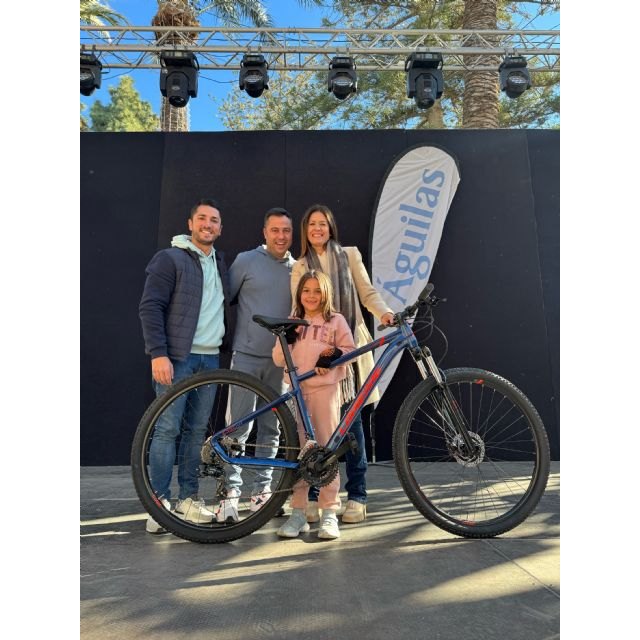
[{"x": 480, "y": 102}]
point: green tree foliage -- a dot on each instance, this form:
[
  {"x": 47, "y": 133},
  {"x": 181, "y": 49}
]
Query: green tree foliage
[
  {"x": 125, "y": 112},
  {"x": 300, "y": 100},
  {"x": 84, "y": 125}
]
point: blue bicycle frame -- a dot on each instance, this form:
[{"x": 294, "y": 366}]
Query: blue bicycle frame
[{"x": 400, "y": 339}]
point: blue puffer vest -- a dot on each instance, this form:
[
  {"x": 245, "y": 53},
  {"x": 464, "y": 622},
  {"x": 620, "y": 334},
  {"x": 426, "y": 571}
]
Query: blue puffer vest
[{"x": 171, "y": 300}]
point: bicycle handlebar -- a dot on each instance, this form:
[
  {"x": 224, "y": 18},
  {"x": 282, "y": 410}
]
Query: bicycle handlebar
[{"x": 425, "y": 298}]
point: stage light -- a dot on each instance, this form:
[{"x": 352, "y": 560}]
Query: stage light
[
  {"x": 254, "y": 78},
  {"x": 343, "y": 80},
  {"x": 424, "y": 78},
  {"x": 178, "y": 77},
  {"x": 90, "y": 73},
  {"x": 514, "y": 76}
]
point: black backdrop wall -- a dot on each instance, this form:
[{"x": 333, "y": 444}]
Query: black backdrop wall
[{"x": 498, "y": 262}]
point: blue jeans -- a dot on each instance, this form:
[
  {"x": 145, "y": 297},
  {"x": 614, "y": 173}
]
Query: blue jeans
[
  {"x": 188, "y": 416},
  {"x": 356, "y": 486}
]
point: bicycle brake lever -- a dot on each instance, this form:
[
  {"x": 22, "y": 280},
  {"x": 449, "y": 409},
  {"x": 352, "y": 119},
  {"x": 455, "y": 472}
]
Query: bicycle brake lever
[{"x": 382, "y": 327}]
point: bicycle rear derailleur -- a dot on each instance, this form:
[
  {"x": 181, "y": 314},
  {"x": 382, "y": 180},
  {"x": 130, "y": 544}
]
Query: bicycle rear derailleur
[{"x": 211, "y": 465}]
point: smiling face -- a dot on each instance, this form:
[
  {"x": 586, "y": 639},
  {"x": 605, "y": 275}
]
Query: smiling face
[
  {"x": 318, "y": 231},
  {"x": 314, "y": 296},
  {"x": 278, "y": 234},
  {"x": 206, "y": 226},
  {"x": 311, "y": 297}
]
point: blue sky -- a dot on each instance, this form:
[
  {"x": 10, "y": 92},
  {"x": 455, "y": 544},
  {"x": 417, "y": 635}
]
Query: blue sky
[{"x": 216, "y": 84}]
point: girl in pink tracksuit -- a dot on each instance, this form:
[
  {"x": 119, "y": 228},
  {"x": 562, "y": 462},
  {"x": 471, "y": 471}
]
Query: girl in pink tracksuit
[{"x": 325, "y": 339}]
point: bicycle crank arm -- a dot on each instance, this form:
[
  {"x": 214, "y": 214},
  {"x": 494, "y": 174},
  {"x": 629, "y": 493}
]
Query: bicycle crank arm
[{"x": 348, "y": 443}]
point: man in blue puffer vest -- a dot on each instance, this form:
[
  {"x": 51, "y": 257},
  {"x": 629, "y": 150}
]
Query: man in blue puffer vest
[{"x": 183, "y": 312}]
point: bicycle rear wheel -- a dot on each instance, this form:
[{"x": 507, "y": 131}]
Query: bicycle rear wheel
[
  {"x": 489, "y": 491},
  {"x": 263, "y": 490}
]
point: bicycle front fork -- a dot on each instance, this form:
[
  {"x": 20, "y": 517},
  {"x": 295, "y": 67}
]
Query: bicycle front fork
[
  {"x": 447, "y": 406},
  {"x": 426, "y": 364}
]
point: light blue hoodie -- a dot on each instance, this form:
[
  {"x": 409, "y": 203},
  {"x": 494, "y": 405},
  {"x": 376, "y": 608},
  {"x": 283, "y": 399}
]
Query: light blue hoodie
[{"x": 210, "y": 327}]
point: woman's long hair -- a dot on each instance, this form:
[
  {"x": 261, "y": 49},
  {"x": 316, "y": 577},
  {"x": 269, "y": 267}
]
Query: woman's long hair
[
  {"x": 333, "y": 228},
  {"x": 326, "y": 294}
]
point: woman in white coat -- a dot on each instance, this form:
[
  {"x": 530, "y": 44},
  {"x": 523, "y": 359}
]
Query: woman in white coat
[{"x": 352, "y": 287}]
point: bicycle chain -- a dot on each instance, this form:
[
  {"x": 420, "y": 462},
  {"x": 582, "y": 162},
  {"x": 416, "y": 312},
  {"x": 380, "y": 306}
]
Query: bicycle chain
[
  {"x": 207, "y": 449},
  {"x": 207, "y": 452}
]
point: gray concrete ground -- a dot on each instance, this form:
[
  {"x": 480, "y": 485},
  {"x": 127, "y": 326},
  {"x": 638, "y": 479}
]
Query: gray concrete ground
[{"x": 394, "y": 576}]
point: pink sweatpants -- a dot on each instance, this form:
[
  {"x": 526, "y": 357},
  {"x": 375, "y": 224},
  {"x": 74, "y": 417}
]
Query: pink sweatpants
[{"x": 322, "y": 405}]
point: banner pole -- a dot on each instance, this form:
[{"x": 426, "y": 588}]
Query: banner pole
[{"x": 372, "y": 434}]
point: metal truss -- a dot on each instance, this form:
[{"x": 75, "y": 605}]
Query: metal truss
[{"x": 312, "y": 49}]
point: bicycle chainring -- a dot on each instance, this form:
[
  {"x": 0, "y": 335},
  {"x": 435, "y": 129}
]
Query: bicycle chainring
[{"x": 311, "y": 471}]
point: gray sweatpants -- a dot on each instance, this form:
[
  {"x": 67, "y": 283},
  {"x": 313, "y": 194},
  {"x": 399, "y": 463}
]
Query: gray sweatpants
[{"x": 243, "y": 403}]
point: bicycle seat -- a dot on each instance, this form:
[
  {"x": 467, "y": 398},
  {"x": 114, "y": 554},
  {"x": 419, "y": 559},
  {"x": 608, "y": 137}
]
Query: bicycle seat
[{"x": 277, "y": 324}]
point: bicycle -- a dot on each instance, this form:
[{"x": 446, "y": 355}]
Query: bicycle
[{"x": 470, "y": 449}]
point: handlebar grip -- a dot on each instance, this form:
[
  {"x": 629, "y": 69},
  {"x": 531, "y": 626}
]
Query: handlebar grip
[{"x": 426, "y": 292}]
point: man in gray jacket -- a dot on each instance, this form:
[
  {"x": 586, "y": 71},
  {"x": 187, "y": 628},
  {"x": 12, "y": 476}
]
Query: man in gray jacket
[{"x": 259, "y": 282}]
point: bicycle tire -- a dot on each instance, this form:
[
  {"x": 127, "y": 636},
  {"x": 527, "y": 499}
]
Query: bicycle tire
[
  {"x": 496, "y": 490},
  {"x": 287, "y": 449}
]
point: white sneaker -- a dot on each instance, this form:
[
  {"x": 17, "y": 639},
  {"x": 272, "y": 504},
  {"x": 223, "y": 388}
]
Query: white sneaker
[
  {"x": 227, "y": 509},
  {"x": 194, "y": 511},
  {"x": 354, "y": 512},
  {"x": 258, "y": 500},
  {"x": 329, "y": 525},
  {"x": 152, "y": 525},
  {"x": 295, "y": 525}
]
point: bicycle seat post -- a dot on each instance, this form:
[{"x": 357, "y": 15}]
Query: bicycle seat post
[{"x": 290, "y": 368}]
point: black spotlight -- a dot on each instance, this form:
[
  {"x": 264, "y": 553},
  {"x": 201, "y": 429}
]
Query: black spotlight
[
  {"x": 424, "y": 78},
  {"x": 514, "y": 76},
  {"x": 90, "y": 73},
  {"x": 254, "y": 78},
  {"x": 178, "y": 77},
  {"x": 343, "y": 80}
]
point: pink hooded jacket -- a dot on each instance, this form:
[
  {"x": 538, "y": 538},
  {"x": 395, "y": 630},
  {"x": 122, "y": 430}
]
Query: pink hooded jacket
[{"x": 314, "y": 339}]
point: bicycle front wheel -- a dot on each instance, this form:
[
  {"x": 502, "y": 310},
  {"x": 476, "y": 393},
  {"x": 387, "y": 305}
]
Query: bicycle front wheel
[
  {"x": 479, "y": 493},
  {"x": 165, "y": 465}
]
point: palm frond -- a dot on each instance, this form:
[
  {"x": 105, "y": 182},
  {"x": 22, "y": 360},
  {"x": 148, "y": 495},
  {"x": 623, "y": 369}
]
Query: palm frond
[{"x": 98, "y": 14}]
